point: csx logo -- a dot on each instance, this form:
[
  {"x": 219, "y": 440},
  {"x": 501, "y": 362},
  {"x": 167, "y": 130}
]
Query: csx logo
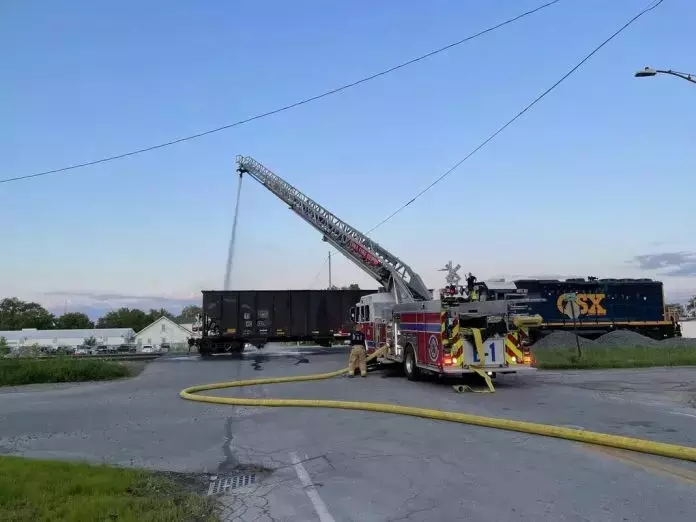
[{"x": 587, "y": 304}]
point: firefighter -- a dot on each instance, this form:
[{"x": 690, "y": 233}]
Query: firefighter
[
  {"x": 470, "y": 280},
  {"x": 470, "y": 286},
  {"x": 358, "y": 354}
]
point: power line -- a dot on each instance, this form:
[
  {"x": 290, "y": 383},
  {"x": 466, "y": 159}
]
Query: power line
[
  {"x": 490, "y": 138},
  {"x": 326, "y": 260},
  {"x": 286, "y": 107}
]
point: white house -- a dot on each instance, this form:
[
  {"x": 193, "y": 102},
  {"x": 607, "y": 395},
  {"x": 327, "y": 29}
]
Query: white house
[
  {"x": 688, "y": 328},
  {"x": 162, "y": 335},
  {"x": 109, "y": 337}
]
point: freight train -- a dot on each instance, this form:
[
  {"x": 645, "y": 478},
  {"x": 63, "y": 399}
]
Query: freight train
[
  {"x": 594, "y": 306},
  {"x": 231, "y": 319}
]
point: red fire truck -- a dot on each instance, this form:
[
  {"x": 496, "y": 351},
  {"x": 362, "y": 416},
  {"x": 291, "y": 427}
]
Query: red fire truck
[
  {"x": 447, "y": 336},
  {"x": 458, "y": 331}
]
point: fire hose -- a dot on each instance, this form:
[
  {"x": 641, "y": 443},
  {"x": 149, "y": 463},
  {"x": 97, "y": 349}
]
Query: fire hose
[{"x": 601, "y": 439}]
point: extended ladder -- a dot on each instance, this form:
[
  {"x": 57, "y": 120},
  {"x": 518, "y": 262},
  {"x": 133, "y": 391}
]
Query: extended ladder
[{"x": 392, "y": 273}]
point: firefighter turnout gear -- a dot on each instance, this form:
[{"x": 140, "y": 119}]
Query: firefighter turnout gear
[{"x": 358, "y": 355}]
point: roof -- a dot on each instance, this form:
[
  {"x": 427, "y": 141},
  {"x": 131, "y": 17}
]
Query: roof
[
  {"x": 187, "y": 326},
  {"x": 164, "y": 318},
  {"x": 30, "y": 333}
]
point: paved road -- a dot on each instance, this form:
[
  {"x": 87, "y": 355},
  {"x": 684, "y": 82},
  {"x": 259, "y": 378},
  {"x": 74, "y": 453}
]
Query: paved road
[{"x": 353, "y": 466}]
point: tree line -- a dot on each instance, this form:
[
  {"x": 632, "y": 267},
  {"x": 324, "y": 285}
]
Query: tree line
[{"x": 16, "y": 314}]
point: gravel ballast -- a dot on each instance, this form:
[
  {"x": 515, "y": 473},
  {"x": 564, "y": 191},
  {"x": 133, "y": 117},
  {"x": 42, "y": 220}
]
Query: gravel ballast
[{"x": 615, "y": 339}]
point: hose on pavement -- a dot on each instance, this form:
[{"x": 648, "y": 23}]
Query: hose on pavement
[{"x": 589, "y": 437}]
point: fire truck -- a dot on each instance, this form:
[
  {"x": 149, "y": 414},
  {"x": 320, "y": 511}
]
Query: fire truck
[{"x": 449, "y": 333}]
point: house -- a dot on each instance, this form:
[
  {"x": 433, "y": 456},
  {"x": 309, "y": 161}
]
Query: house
[
  {"x": 53, "y": 339},
  {"x": 162, "y": 335},
  {"x": 688, "y": 328}
]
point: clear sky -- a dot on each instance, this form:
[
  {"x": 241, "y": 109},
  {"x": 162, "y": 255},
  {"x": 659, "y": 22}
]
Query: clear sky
[{"x": 599, "y": 172}]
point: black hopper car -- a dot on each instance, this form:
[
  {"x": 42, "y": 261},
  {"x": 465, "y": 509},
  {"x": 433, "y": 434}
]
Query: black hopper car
[
  {"x": 234, "y": 318},
  {"x": 593, "y": 307}
]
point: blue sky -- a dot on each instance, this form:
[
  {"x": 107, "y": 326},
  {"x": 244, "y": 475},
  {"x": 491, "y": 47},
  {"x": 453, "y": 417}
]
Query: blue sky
[{"x": 599, "y": 172}]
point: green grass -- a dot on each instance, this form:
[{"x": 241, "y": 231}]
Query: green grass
[
  {"x": 14, "y": 372},
  {"x": 38, "y": 491},
  {"x": 629, "y": 357}
]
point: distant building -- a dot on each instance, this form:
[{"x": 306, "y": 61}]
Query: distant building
[
  {"x": 688, "y": 328},
  {"x": 53, "y": 339},
  {"x": 162, "y": 335}
]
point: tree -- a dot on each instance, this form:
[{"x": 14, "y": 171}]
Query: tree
[
  {"x": 90, "y": 342},
  {"x": 131, "y": 318},
  {"x": 74, "y": 321},
  {"x": 188, "y": 314},
  {"x": 691, "y": 306},
  {"x": 352, "y": 286},
  {"x": 153, "y": 315},
  {"x": 4, "y": 347},
  {"x": 16, "y": 314},
  {"x": 125, "y": 318}
]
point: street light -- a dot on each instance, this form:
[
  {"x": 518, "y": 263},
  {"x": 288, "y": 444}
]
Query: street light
[{"x": 649, "y": 71}]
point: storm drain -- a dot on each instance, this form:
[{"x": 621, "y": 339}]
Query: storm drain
[{"x": 224, "y": 483}]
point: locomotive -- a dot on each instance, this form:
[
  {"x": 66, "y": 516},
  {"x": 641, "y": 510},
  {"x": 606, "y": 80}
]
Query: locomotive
[{"x": 593, "y": 306}]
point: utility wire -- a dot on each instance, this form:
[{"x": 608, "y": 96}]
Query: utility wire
[
  {"x": 326, "y": 260},
  {"x": 286, "y": 107},
  {"x": 490, "y": 138}
]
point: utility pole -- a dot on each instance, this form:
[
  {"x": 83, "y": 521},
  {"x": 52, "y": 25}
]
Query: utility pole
[{"x": 330, "y": 285}]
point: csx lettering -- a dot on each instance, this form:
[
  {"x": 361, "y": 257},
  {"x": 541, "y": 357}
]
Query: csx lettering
[{"x": 589, "y": 304}]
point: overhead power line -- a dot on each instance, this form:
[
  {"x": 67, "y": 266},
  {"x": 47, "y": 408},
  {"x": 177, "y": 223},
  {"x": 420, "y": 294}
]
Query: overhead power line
[
  {"x": 286, "y": 107},
  {"x": 536, "y": 100},
  {"x": 326, "y": 260}
]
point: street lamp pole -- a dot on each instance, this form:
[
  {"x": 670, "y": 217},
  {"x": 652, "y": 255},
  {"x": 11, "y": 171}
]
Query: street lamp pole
[{"x": 649, "y": 71}]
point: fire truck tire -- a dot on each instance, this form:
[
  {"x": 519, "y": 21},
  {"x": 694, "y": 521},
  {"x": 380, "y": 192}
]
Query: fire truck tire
[
  {"x": 410, "y": 367},
  {"x": 560, "y": 432}
]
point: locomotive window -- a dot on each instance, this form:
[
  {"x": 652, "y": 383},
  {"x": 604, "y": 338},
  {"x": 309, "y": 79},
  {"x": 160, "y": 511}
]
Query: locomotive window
[
  {"x": 362, "y": 314},
  {"x": 367, "y": 313}
]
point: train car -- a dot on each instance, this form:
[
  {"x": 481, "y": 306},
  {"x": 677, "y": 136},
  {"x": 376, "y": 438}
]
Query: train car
[
  {"x": 234, "y": 318},
  {"x": 593, "y": 307}
]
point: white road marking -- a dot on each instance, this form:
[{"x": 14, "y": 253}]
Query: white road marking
[
  {"x": 683, "y": 413},
  {"x": 312, "y": 493}
]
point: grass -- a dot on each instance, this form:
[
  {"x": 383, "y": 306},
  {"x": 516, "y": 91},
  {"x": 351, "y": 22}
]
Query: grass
[
  {"x": 14, "y": 372},
  {"x": 628, "y": 357},
  {"x": 38, "y": 491}
]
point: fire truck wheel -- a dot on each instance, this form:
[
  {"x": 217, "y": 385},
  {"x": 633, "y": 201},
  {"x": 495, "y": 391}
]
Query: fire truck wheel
[{"x": 410, "y": 368}]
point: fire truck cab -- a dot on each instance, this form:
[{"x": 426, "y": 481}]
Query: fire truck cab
[{"x": 371, "y": 316}]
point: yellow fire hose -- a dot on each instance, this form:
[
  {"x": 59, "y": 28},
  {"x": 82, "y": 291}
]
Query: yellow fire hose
[{"x": 601, "y": 439}]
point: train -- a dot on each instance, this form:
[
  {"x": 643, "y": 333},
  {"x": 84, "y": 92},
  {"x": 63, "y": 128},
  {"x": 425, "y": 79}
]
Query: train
[
  {"x": 592, "y": 307},
  {"x": 232, "y": 319}
]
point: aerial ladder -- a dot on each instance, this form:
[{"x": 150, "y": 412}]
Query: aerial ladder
[
  {"x": 408, "y": 315},
  {"x": 388, "y": 270}
]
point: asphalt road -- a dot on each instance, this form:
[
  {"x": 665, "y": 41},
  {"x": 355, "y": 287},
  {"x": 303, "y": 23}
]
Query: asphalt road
[{"x": 314, "y": 464}]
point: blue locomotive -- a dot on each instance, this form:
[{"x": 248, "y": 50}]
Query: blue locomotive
[{"x": 594, "y": 306}]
